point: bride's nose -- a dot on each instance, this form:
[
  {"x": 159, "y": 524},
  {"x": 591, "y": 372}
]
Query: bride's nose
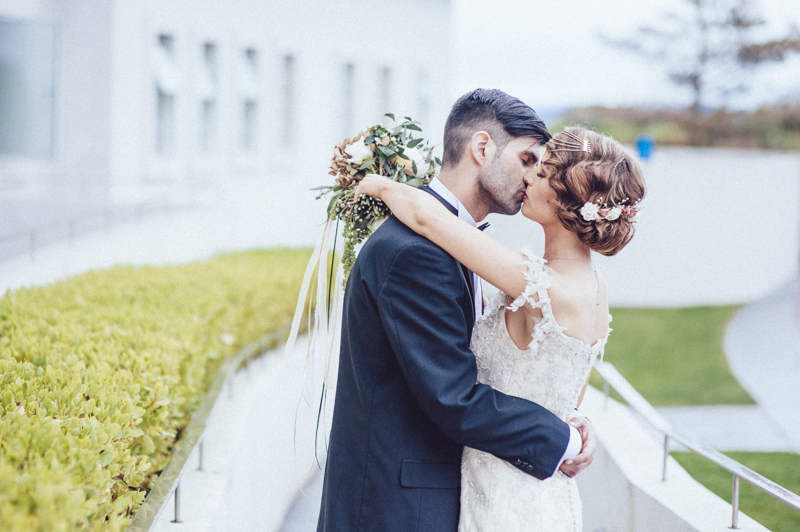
[{"x": 528, "y": 178}]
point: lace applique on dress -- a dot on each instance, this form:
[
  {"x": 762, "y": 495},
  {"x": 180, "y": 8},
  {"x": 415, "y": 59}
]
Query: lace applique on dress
[{"x": 496, "y": 496}]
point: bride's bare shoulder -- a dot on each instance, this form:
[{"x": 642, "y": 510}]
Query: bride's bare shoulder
[{"x": 575, "y": 287}]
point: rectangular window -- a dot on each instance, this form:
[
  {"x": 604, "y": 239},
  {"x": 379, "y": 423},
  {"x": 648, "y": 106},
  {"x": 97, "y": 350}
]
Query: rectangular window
[
  {"x": 167, "y": 83},
  {"x": 384, "y": 94},
  {"x": 288, "y": 100},
  {"x": 348, "y": 100},
  {"x": 208, "y": 129},
  {"x": 208, "y": 98},
  {"x": 250, "y": 126},
  {"x": 249, "y": 94},
  {"x": 27, "y": 88},
  {"x": 165, "y": 134},
  {"x": 423, "y": 99}
]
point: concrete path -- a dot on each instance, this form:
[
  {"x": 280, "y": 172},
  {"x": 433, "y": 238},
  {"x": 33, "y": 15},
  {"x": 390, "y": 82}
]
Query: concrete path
[
  {"x": 302, "y": 516},
  {"x": 762, "y": 343},
  {"x": 727, "y": 427},
  {"x": 258, "y": 448}
]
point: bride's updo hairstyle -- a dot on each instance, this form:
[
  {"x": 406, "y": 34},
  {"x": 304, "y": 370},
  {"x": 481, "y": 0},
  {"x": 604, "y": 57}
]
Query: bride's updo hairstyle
[{"x": 586, "y": 167}]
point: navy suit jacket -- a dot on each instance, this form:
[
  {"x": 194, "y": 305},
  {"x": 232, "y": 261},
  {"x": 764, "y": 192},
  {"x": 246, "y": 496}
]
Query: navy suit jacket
[{"x": 407, "y": 401}]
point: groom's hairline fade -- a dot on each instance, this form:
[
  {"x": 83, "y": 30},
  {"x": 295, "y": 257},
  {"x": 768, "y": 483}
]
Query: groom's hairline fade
[{"x": 501, "y": 115}]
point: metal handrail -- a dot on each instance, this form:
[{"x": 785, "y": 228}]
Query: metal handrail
[
  {"x": 168, "y": 482},
  {"x": 613, "y": 377}
]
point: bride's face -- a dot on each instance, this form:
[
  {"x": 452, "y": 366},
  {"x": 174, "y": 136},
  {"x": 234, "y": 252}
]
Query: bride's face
[{"x": 539, "y": 196}]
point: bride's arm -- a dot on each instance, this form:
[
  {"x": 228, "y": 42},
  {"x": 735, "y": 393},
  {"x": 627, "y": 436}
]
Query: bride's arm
[{"x": 424, "y": 214}]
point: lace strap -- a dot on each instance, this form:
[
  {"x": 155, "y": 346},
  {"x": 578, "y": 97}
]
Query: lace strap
[{"x": 537, "y": 282}]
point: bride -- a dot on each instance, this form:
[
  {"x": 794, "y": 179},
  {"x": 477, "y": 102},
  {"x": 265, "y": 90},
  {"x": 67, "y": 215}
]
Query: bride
[{"x": 541, "y": 332}]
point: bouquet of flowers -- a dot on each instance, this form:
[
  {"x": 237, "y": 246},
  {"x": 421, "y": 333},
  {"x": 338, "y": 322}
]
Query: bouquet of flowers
[{"x": 396, "y": 154}]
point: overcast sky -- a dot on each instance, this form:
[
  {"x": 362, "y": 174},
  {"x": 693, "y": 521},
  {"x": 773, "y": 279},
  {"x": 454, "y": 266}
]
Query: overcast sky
[{"x": 550, "y": 54}]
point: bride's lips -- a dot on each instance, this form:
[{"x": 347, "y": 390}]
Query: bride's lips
[{"x": 524, "y": 196}]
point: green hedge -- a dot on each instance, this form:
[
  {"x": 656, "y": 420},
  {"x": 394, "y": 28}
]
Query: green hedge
[{"x": 99, "y": 373}]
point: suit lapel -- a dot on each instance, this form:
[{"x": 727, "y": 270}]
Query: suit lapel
[{"x": 466, "y": 272}]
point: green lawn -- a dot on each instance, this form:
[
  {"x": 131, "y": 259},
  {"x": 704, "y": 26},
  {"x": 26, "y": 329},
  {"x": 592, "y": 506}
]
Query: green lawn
[
  {"x": 783, "y": 468},
  {"x": 674, "y": 356}
]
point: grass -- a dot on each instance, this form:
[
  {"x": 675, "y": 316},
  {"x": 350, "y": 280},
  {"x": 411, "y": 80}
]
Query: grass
[
  {"x": 783, "y": 468},
  {"x": 674, "y": 356}
]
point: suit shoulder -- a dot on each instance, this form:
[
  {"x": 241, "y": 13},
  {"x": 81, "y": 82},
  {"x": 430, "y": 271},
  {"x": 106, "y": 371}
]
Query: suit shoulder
[
  {"x": 394, "y": 243},
  {"x": 394, "y": 236}
]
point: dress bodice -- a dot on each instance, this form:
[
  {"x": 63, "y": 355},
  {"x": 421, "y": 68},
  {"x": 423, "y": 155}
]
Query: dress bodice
[
  {"x": 551, "y": 371},
  {"x": 554, "y": 367}
]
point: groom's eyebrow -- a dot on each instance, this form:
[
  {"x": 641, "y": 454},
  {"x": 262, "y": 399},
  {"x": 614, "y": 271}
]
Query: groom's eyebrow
[{"x": 533, "y": 153}]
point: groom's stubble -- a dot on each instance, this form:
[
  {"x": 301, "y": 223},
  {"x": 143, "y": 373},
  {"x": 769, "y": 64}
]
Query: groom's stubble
[{"x": 499, "y": 189}]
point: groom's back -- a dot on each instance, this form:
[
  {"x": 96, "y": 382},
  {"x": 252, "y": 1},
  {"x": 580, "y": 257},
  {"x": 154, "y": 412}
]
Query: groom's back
[{"x": 390, "y": 467}]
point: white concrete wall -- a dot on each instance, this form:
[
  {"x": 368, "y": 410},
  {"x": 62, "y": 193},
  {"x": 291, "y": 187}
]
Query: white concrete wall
[
  {"x": 622, "y": 490},
  {"x": 106, "y": 66},
  {"x": 718, "y": 227},
  {"x": 104, "y": 127}
]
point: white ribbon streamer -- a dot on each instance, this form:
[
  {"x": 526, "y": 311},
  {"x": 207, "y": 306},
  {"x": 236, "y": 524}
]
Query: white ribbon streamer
[{"x": 324, "y": 331}]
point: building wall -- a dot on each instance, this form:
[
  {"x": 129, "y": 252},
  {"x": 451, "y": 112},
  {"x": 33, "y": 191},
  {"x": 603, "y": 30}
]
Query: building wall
[{"x": 293, "y": 86}]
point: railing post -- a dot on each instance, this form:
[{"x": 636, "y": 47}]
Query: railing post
[
  {"x": 666, "y": 455},
  {"x": 177, "y": 496},
  {"x": 735, "y": 503},
  {"x": 200, "y": 456}
]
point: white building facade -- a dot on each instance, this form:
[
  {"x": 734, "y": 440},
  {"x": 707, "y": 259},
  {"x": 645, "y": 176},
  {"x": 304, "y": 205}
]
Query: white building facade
[{"x": 162, "y": 102}]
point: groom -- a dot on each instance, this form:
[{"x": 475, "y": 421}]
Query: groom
[{"x": 407, "y": 401}]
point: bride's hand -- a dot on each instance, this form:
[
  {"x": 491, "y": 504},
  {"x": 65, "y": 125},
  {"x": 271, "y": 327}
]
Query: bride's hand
[
  {"x": 584, "y": 459},
  {"x": 371, "y": 185}
]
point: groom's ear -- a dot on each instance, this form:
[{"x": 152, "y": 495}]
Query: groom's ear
[{"x": 482, "y": 148}]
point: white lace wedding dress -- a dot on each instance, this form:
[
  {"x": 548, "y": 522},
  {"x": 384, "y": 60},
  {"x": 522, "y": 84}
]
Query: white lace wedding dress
[{"x": 496, "y": 496}]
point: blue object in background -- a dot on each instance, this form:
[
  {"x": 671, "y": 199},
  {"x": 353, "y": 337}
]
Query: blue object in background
[{"x": 645, "y": 144}]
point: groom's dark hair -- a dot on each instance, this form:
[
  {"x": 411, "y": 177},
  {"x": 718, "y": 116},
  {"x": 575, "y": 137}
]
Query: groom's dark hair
[{"x": 502, "y": 116}]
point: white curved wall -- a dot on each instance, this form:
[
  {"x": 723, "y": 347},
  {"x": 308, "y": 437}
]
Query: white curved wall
[{"x": 718, "y": 227}]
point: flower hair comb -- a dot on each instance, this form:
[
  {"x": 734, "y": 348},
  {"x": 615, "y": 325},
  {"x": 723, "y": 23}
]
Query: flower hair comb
[{"x": 599, "y": 212}]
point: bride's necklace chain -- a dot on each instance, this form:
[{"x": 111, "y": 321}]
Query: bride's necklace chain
[{"x": 587, "y": 263}]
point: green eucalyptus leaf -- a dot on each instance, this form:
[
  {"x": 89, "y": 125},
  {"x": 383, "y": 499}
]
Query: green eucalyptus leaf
[{"x": 333, "y": 201}]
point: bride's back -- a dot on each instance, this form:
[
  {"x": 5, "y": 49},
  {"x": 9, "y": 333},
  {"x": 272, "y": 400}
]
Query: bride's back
[{"x": 578, "y": 298}]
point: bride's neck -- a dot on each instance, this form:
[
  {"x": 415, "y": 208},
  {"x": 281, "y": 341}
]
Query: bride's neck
[{"x": 562, "y": 243}]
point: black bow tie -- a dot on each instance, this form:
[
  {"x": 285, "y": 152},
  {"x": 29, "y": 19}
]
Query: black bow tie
[{"x": 483, "y": 226}]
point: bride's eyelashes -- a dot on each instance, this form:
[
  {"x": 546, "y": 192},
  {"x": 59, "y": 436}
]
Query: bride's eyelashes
[{"x": 540, "y": 175}]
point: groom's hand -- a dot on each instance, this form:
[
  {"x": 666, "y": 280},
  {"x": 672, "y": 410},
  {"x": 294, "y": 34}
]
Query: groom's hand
[{"x": 573, "y": 466}]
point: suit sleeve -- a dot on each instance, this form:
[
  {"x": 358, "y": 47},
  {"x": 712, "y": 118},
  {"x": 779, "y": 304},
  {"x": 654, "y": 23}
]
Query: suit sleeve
[{"x": 428, "y": 332}]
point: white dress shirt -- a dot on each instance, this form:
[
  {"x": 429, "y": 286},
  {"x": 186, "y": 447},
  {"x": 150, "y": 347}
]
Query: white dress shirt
[{"x": 575, "y": 441}]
